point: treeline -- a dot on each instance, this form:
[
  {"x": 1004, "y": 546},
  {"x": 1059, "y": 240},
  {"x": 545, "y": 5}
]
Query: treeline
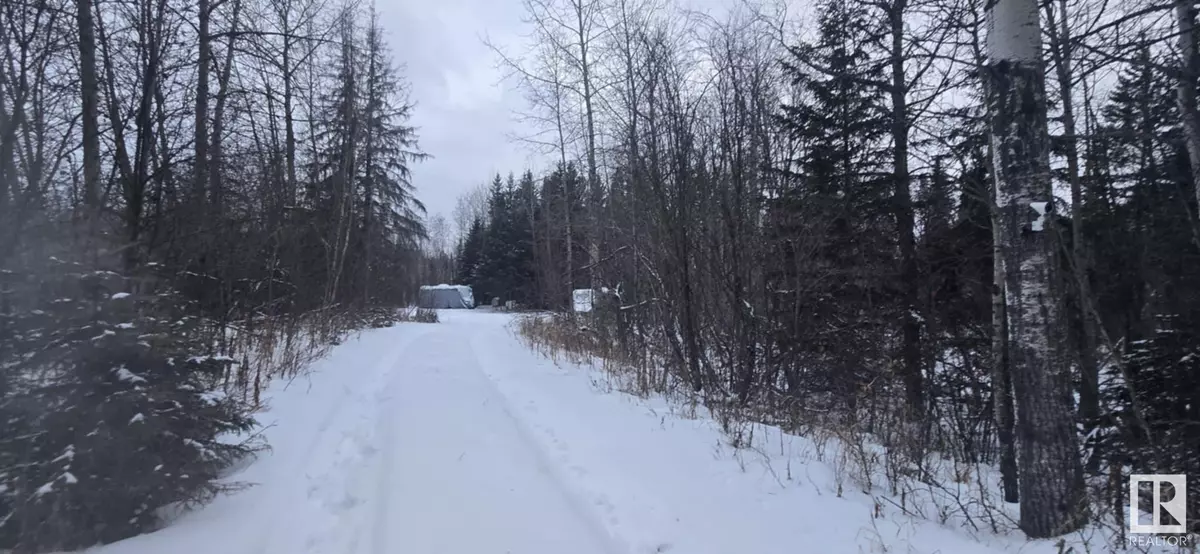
[
  {"x": 804, "y": 227},
  {"x": 195, "y": 196},
  {"x": 515, "y": 247}
]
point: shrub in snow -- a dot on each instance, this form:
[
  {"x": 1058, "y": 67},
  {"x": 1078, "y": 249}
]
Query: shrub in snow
[
  {"x": 377, "y": 318},
  {"x": 425, "y": 316},
  {"x": 419, "y": 315},
  {"x": 112, "y": 414},
  {"x": 1153, "y": 421}
]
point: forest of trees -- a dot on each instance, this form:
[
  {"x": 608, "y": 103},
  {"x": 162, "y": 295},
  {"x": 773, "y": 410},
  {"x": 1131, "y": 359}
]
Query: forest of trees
[
  {"x": 502, "y": 223},
  {"x": 879, "y": 218},
  {"x": 195, "y": 196},
  {"x": 864, "y": 215}
]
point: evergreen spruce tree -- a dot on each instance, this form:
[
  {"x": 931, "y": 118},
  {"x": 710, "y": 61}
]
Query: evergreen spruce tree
[
  {"x": 519, "y": 237},
  {"x": 489, "y": 276},
  {"x": 392, "y": 217},
  {"x": 366, "y": 215},
  {"x": 469, "y": 254},
  {"x": 117, "y": 413},
  {"x": 560, "y": 210},
  {"x": 505, "y": 268},
  {"x": 831, "y": 228},
  {"x": 335, "y": 164},
  {"x": 1140, "y": 217},
  {"x": 527, "y": 215}
]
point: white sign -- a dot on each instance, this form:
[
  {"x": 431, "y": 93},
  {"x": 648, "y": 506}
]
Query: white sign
[
  {"x": 1176, "y": 505},
  {"x": 1039, "y": 224},
  {"x": 582, "y": 299}
]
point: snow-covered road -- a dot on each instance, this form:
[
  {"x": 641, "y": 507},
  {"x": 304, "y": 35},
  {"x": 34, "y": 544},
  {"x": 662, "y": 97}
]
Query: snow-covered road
[
  {"x": 478, "y": 481},
  {"x": 454, "y": 438}
]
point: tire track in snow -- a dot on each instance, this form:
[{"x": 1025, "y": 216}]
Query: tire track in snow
[
  {"x": 631, "y": 513},
  {"x": 383, "y": 471},
  {"x": 596, "y": 509},
  {"x": 463, "y": 474},
  {"x": 315, "y": 468}
]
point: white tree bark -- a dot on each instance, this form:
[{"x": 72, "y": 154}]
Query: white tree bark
[
  {"x": 1049, "y": 465},
  {"x": 1002, "y": 397}
]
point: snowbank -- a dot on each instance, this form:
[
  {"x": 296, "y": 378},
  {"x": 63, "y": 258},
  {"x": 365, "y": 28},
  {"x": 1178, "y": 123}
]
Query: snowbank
[{"x": 456, "y": 438}]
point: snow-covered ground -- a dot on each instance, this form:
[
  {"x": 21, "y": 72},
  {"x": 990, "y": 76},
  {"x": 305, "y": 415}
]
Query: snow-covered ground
[{"x": 454, "y": 438}]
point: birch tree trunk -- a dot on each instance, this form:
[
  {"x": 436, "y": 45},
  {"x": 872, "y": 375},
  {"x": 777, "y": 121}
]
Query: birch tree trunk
[
  {"x": 289, "y": 116},
  {"x": 1002, "y": 396},
  {"x": 1050, "y": 470},
  {"x": 343, "y": 181}
]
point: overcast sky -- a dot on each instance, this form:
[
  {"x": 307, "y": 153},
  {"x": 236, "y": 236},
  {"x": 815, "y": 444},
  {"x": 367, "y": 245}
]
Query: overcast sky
[{"x": 464, "y": 112}]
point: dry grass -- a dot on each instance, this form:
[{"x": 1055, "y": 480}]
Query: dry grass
[
  {"x": 876, "y": 451},
  {"x": 268, "y": 348},
  {"x": 418, "y": 315}
]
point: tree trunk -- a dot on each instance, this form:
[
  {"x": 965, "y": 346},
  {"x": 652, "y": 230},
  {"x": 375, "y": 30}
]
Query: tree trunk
[
  {"x": 89, "y": 89},
  {"x": 567, "y": 188},
  {"x": 1186, "y": 91},
  {"x": 289, "y": 115},
  {"x": 134, "y": 183},
  {"x": 634, "y": 157},
  {"x": 902, "y": 199},
  {"x": 1002, "y": 400},
  {"x": 1050, "y": 470},
  {"x": 1089, "y": 393},
  {"x": 372, "y": 104},
  {"x": 8, "y": 164},
  {"x": 569, "y": 205},
  {"x": 593, "y": 183},
  {"x": 368, "y": 223},
  {"x": 343, "y": 182},
  {"x": 217, "y": 186},
  {"x": 200, "y": 164}
]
